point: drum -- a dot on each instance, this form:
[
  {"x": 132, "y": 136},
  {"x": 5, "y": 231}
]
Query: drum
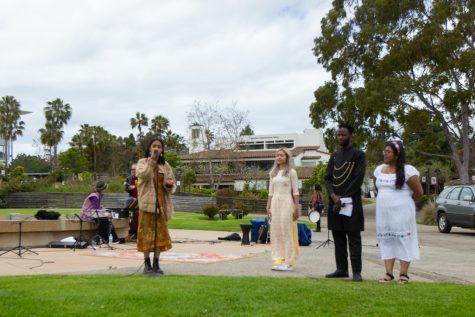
[{"x": 314, "y": 216}]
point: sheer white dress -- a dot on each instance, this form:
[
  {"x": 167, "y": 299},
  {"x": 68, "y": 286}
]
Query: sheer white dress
[{"x": 283, "y": 234}]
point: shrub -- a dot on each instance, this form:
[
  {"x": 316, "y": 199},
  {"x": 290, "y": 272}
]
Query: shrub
[
  {"x": 116, "y": 184},
  {"x": 249, "y": 195},
  {"x": 424, "y": 199},
  {"x": 263, "y": 194},
  {"x": 242, "y": 207},
  {"x": 225, "y": 192},
  {"x": 210, "y": 210},
  {"x": 18, "y": 174},
  {"x": 13, "y": 187},
  {"x": 224, "y": 213},
  {"x": 204, "y": 191},
  {"x": 428, "y": 213}
]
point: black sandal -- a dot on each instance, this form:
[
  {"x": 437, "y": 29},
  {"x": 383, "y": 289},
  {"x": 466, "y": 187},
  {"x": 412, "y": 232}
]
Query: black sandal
[
  {"x": 388, "y": 277},
  {"x": 403, "y": 279}
]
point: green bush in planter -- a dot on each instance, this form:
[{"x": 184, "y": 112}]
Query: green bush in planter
[
  {"x": 241, "y": 207},
  {"x": 224, "y": 213},
  {"x": 210, "y": 210}
]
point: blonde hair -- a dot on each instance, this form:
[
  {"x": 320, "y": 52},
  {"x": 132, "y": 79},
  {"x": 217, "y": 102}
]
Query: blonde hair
[{"x": 275, "y": 168}]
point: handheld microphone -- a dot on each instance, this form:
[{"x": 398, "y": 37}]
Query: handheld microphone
[{"x": 155, "y": 155}]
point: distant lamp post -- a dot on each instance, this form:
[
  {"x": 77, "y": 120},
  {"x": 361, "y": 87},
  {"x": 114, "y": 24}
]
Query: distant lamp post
[
  {"x": 437, "y": 177},
  {"x": 428, "y": 164},
  {"x": 178, "y": 172},
  {"x": 94, "y": 152}
]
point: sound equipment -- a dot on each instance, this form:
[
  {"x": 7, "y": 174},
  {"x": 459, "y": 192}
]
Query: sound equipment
[{"x": 68, "y": 245}]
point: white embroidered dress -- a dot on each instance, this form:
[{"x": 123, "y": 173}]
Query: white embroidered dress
[
  {"x": 283, "y": 234},
  {"x": 396, "y": 229}
]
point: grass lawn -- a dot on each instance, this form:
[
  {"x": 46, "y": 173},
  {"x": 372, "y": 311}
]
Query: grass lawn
[
  {"x": 119, "y": 295},
  {"x": 32, "y": 211},
  {"x": 180, "y": 220}
]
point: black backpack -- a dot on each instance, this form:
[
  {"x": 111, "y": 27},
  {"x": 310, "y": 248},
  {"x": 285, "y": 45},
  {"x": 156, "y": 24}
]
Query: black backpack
[{"x": 47, "y": 215}]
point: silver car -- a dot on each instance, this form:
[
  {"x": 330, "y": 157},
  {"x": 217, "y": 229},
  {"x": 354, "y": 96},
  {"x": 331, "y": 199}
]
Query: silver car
[{"x": 456, "y": 207}]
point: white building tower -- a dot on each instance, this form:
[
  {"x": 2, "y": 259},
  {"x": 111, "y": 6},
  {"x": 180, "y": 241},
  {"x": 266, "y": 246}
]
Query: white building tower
[{"x": 197, "y": 138}]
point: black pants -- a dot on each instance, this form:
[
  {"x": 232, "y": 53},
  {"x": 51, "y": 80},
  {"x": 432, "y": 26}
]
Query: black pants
[
  {"x": 104, "y": 227},
  {"x": 319, "y": 208},
  {"x": 341, "y": 253},
  {"x": 134, "y": 224},
  {"x": 319, "y": 221}
]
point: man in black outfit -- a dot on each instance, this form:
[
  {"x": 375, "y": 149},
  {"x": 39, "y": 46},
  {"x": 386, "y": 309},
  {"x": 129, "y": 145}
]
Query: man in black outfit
[{"x": 343, "y": 179}]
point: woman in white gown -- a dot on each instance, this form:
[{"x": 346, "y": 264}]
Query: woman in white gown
[
  {"x": 398, "y": 188},
  {"x": 283, "y": 211}
]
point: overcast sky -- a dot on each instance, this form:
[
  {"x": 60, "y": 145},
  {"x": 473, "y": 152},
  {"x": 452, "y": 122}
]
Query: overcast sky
[{"x": 111, "y": 58}]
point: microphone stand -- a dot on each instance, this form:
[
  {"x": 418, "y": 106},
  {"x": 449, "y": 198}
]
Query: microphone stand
[
  {"x": 155, "y": 218},
  {"x": 328, "y": 241}
]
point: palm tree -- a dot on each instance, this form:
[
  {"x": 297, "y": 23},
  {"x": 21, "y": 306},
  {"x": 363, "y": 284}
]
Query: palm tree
[
  {"x": 10, "y": 124},
  {"x": 57, "y": 114},
  {"x": 159, "y": 125},
  {"x": 50, "y": 136},
  {"x": 139, "y": 121},
  {"x": 173, "y": 141}
]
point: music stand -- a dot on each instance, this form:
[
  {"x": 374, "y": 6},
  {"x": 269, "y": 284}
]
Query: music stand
[
  {"x": 18, "y": 249},
  {"x": 328, "y": 240},
  {"x": 81, "y": 241}
]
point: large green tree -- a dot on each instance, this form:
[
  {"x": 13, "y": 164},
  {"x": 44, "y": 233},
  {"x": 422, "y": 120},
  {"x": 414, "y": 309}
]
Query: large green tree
[
  {"x": 11, "y": 126},
  {"x": 31, "y": 163},
  {"x": 73, "y": 160},
  {"x": 247, "y": 130},
  {"x": 94, "y": 142},
  {"x": 389, "y": 59},
  {"x": 57, "y": 114}
]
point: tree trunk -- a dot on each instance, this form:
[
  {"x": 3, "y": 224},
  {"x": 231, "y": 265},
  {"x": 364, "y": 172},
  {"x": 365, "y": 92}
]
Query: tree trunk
[
  {"x": 55, "y": 157},
  {"x": 6, "y": 149},
  {"x": 211, "y": 176}
]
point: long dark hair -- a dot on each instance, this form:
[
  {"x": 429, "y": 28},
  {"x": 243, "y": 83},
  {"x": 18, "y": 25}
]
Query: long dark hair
[
  {"x": 161, "y": 157},
  {"x": 398, "y": 150}
]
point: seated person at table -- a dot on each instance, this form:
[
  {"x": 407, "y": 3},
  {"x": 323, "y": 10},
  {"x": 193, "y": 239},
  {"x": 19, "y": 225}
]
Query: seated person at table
[{"x": 92, "y": 210}]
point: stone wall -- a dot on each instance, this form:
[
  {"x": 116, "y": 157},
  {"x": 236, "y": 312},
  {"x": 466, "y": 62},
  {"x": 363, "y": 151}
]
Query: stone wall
[{"x": 182, "y": 201}]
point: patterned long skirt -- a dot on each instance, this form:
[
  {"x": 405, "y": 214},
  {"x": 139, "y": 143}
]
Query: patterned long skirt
[{"x": 146, "y": 233}]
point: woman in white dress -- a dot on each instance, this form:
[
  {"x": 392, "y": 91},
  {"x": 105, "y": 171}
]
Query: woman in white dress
[
  {"x": 398, "y": 188},
  {"x": 283, "y": 211}
]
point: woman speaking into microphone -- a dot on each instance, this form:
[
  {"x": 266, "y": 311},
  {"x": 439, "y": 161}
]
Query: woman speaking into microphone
[{"x": 156, "y": 183}]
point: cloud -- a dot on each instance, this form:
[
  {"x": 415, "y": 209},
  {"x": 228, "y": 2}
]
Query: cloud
[{"x": 109, "y": 59}]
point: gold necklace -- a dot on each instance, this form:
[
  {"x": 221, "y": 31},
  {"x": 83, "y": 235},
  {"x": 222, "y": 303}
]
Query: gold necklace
[
  {"x": 347, "y": 175},
  {"x": 344, "y": 173},
  {"x": 341, "y": 166}
]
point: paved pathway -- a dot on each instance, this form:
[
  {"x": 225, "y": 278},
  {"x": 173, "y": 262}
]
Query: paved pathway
[{"x": 445, "y": 257}]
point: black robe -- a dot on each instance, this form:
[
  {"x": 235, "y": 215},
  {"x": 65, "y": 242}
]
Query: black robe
[{"x": 344, "y": 177}]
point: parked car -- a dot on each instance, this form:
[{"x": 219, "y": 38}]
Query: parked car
[{"x": 456, "y": 207}]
